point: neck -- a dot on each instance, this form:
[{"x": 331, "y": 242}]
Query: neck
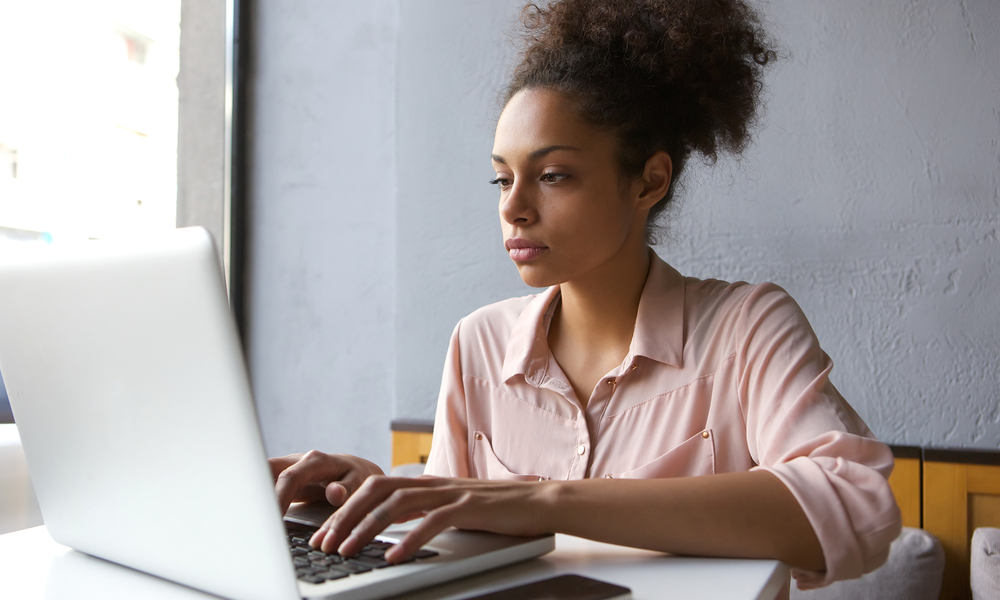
[{"x": 599, "y": 311}]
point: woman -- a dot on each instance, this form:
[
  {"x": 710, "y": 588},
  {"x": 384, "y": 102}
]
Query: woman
[{"x": 593, "y": 407}]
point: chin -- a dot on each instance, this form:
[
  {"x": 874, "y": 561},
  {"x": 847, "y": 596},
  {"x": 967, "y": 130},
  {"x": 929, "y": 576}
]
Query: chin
[{"x": 535, "y": 277}]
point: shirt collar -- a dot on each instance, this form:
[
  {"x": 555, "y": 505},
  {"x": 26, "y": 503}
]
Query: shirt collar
[
  {"x": 659, "y": 326},
  {"x": 528, "y": 347}
]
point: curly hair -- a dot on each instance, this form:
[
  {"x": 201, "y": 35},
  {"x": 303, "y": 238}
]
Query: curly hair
[{"x": 672, "y": 75}]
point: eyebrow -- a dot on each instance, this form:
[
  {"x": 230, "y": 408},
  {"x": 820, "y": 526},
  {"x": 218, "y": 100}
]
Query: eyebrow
[{"x": 535, "y": 155}]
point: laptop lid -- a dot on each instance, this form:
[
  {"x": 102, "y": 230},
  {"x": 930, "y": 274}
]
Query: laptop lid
[{"x": 127, "y": 383}]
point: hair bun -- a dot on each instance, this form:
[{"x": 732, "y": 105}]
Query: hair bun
[{"x": 673, "y": 75}]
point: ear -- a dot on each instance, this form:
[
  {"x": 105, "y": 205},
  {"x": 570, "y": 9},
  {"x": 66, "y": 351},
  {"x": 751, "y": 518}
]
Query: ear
[{"x": 655, "y": 180}]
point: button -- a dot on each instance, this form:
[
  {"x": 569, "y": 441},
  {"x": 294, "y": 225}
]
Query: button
[
  {"x": 608, "y": 476},
  {"x": 581, "y": 450},
  {"x": 611, "y": 382},
  {"x": 479, "y": 436},
  {"x": 704, "y": 434},
  {"x": 541, "y": 479},
  {"x": 634, "y": 366}
]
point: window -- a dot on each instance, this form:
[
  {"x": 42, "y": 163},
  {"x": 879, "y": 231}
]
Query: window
[
  {"x": 88, "y": 121},
  {"x": 88, "y": 118}
]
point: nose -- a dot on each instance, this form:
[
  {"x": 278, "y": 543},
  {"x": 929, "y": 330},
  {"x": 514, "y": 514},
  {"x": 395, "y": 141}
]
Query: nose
[{"x": 517, "y": 206}]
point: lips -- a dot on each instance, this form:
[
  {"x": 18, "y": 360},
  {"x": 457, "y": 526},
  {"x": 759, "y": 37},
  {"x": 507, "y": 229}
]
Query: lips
[{"x": 523, "y": 250}]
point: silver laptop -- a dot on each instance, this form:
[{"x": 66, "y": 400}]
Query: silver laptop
[{"x": 128, "y": 386}]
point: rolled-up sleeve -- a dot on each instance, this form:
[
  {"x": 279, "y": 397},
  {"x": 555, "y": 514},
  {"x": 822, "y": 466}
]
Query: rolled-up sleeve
[
  {"x": 449, "y": 456},
  {"x": 800, "y": 429}
]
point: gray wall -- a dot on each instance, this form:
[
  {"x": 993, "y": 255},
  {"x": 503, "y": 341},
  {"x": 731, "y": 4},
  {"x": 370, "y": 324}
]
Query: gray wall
[
  {"x": 871, "y": 196},
  {"x": 450, "y": 253},
  {"x": 321, "y": 234}
]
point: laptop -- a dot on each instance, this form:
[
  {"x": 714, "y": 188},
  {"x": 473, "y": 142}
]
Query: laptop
[{"x": 129, "y": 388}]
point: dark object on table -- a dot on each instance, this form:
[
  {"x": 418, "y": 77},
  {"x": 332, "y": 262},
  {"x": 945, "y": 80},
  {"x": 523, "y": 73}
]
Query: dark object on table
[{"x": 563, "y": 587}]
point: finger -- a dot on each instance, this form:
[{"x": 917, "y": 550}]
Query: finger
[
  {"x": 414, "y": 515},
  {"x": 339, "y": 524},
  {"x": 279, "y": 464},
  {"x": 373, "y": 524},
  {"x": 434, "y": 523},
  {"x": 372, "y": 493},
  {"x": 313, "y": 468},
  {"x": 337, "y": 493},
  {"x": 316, "y": 541},
  {"x": 403, "y": 501}
]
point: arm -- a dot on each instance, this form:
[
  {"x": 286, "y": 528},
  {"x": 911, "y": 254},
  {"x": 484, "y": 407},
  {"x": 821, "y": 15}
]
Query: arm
[
  {"x": 801, "y": 430},
  {"x": 449, "y": 456},
  {"x": 737, "y": 514},
  {"x": 745, "y": 515}
]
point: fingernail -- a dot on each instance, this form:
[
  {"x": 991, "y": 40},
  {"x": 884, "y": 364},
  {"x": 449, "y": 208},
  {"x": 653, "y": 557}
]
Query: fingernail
[
  {"x": 320, "y": 533},
  {"x": 351, "y": 539}
]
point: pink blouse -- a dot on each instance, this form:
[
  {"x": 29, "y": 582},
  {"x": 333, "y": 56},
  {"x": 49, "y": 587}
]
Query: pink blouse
[{"x": 719, "y": 378}]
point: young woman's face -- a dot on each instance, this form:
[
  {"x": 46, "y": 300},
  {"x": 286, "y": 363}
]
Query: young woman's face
[{"x": 564, "y": 211}]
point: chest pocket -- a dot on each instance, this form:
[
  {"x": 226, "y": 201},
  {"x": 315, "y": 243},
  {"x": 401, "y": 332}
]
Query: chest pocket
[
  {"x": 486, "y": 465},
  {"x": 695, "y": 456}
]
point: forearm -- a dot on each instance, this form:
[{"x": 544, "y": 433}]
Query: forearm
[{"x": 751, "y": 515}]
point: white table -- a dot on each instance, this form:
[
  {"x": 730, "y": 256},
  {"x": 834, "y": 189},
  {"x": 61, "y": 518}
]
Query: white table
[{"x": 33, "y": 566}]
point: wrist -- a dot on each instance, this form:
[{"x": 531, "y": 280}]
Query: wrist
[{"x": 548, "y": 504}]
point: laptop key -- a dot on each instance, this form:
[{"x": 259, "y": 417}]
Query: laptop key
[
  {"x": 332, "y": 574},
  {"x": 375, "y": 563},
  {"x": 341, "y": 568},
  {"x": 315, "y": 566},
  {"x": 355, "y": 566}
]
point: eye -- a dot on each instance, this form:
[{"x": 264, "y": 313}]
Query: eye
[
  {"x": 503, "y": 182},
  {"x": 553, "y": 177}
]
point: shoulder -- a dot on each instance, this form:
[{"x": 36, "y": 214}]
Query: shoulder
[
  {"x": 713, "y": 299},
  {"x": 499, "y": 332},
  {"x": 739, "y": 314},
  {"x": 495, "y": 320}
]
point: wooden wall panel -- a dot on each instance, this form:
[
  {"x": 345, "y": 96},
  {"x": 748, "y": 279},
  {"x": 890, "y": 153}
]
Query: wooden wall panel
[
  {"x": 905, "y": 484},
  {"x": 958, "y": 498},
  {"x": 984, "y": 511},
  {"x": 946, "y": 516},
  {"x": 410, "y": 447}
]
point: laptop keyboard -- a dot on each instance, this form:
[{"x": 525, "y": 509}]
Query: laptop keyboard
[{"x": 314, "y": 566}]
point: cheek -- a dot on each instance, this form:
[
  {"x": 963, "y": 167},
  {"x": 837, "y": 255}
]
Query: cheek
[{"x": 597, "y": 222}]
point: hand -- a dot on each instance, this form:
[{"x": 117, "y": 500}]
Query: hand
[
  {"x": 513, "y": 508},
  {"x": 315, "y": 476}
]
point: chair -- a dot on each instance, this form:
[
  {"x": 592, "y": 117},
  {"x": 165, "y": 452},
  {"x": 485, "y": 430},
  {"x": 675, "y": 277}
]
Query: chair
[
  {"x": 985, "y": 564},
  {"x": 913, "y": 572}
]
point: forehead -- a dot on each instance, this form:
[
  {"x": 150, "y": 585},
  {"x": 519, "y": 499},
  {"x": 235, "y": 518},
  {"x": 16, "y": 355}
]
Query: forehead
[{"x": 540, "y": 118}]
